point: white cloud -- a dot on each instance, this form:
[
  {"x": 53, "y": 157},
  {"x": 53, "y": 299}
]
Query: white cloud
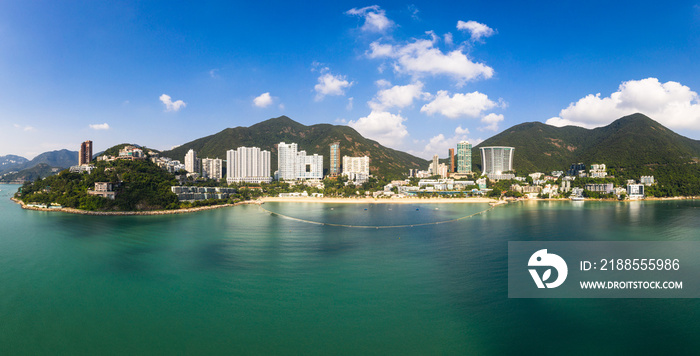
[
  {"x": 440, "y": 144},
  {"x": 460, "y": 131},
  {"x": 329, "y": 84},
  {"x": 398, "y": 96},
  {"x": 475, "y": 29},
  {"x": 384, "y": 127},
  {"x": 214, "y": 73},
  {"x": 382, "y": 83},
  {"x": 375, "y": 18},
  {"x": 449, "y": 40},
  {"x": 263, "y": 100},
  {"x": 104, "y": 126},
  {"x": 170, "y": 105},
  {"x": 348, "y": 107},
  {"x": 420, "y": 58},
  {"x": 459, "y": 105},
  {"x": 24, "y": 128},
  {"x": 671, "y": 103},
  {"x": 491, "y": 120}
]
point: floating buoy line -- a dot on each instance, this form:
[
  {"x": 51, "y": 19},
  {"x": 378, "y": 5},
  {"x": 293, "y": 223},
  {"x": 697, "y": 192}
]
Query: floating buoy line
[{"x": 376, "y": 226}]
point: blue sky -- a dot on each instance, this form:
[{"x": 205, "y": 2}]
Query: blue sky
[{"x": 415, "y": 76}]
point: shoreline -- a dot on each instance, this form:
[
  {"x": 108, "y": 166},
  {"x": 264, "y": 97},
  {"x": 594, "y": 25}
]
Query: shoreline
[
  {"x": 377, "y": 201},
  {"x": 132, "y": 213},
  {"x": 315, "y": 200}
]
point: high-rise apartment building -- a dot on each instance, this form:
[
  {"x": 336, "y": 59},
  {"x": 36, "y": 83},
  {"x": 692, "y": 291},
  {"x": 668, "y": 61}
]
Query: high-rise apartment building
[
  {"x": 286, "y": 161},
  {"x": 248, "y": 165},
  {"x": 451, "y": 155},
  {"x": 464, "y": 157},
  {"x": 293, "y": 164},
  {"x": 85, "y": 154},
  {"x": 356, "y": 165},
  {"x": 212, "y": 168},
  {"x": 434, "y": 165},
  {"x": 356, "y": 168},
  {"x": 335, "y": 159},
  {"x": 191, "y": 162},
  {"x": 496, "y": 160}
]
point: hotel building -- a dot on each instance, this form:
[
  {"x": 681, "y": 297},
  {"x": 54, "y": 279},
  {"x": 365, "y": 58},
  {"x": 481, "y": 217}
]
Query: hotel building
[{"x": 496, "y": 159}]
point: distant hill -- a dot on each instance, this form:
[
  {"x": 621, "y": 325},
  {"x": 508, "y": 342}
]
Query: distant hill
[
  {"x": 314, "y": 139},
  {"x": 61, "y": 159},
  {"x": 10, "y": 163},
  {"x": 631, "y": 141},
  {"x": 41, "y": 170}
]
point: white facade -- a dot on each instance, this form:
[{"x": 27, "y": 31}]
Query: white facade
[
  {"x": 248, "y": 165},
  {"x": 496, "y": 160},
  {"x": 293, "y": 164},
  {"x": 310, "y": 167},
  {"x": 635, "y": 191},
  {"x": 598, "y": 171},
  {"x": 647, "y": 180},
  {"x": 191, "y": 162},
  {"x": 212, "y": 168},
  {"x": 286, "y": 162},
  {"x": 356, "y": 165}
]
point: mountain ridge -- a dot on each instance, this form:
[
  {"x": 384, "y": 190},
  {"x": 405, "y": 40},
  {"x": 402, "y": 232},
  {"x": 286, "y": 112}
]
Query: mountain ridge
[
  {"x": 630, "y": 141},
  {"x": 314, "y": 139}
]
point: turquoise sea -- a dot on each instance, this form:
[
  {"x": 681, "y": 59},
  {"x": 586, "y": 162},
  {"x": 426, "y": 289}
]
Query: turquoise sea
[{"x": 239, "y": 280}]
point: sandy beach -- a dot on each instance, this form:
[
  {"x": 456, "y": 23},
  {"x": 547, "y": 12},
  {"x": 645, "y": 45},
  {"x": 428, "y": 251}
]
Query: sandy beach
[{"x": 376, "y": 201}]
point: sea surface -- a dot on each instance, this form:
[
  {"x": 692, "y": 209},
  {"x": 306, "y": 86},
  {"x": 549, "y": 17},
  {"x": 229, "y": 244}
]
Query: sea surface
[{"x": 240, "y": 280}]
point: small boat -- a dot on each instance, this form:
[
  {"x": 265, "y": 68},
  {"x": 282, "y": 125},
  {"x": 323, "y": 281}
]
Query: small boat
[{"x": 577, "y": 198}]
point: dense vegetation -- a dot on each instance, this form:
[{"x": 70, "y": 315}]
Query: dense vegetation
[
  {"x": 143, "y": 186},
  {"x": 627, "y": 143},
  {"x": 315, "y": 139}
]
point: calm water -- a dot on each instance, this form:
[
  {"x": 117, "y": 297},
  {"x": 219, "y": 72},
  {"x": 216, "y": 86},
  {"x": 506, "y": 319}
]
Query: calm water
[{"x": 240, "y": 281}]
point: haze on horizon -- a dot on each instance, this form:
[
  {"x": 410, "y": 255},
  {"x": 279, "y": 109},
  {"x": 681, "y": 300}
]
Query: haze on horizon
[{"x": 418, "y": 77}]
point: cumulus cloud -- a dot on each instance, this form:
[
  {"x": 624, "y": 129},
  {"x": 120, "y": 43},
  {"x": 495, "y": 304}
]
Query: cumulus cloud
[
  {"x": 671, "y": 103},
  {"x": 440, "y": 144},
  {"x": 104, "y": 126},
  {"x": 460, "y": 131},
  {"x": 375, "y": 18},
  {"x": 329, "y": 84},
  {"x": 475, "y": 29},
  {"x": 491, "y": 121},
  {"x": 458, "y": 105},
  {"x": 421, "y": 57},
  {"x": 384, "y": 127},
  {"x": 170, "y": 105},
  {"x": 398, "y": 96},
  {"x": 263, "y": 100}
]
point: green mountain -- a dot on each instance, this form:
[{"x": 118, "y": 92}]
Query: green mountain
[
  {"x": 41, "y": 170},
  {"x": 631, "y": 141},
  {"x": 314, "y": 139}
]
